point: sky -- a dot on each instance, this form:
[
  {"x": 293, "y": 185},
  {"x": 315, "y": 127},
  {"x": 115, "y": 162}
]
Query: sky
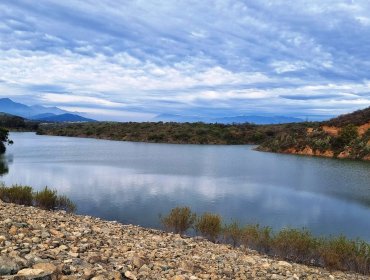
[{"x": 136, "y": 59}]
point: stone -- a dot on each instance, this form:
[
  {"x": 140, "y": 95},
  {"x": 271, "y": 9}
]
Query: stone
[
  {"x": 187, "y": 266},
  {"x": 47, "y": 267},
  {"x": 138, "y": 261},
  {"x": 73, "y": 255},
  {"x": 13, "y": 230},
  {"x": 130, "y": 275},
  {"x": 8, "y": 221},
  {"x": 284, "y": 264},
  {"x": 34, "y": 274},
  {"x": 99, "y": 277},
  {"x": 249, "y": 260},
  {"x": 2, "y": 238},
  {"x": 45, "y": 234},
  {"x": 51, "y": 245},
  {"x": 30, "y": 272},
  {"x": 8, "y": 266},
  {"x": 88, "y": 272}
]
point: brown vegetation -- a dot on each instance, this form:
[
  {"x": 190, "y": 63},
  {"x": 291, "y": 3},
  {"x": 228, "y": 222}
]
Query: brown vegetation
[{"x": 290, "y": 244}]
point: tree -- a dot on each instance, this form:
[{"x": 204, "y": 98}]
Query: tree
[{"x": 4, "y": 139}]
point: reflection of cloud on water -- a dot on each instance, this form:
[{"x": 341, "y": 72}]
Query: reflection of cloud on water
[
  {"x": 93, "y": 179},
  {"x": 124, "y": 194}
]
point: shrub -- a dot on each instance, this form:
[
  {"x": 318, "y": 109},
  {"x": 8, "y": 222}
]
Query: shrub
[
  {"x": 264, "y": 239},
  {"x": 257, "y": 237},
  {"x": 343, "y": 254},
  {"x": 209, "y": 225},
  {"x": 64, "y": 203},
  {"x": 179, "y": 220},
  {"x": 291, "y": 244},
  {"x": 296, "y": 245},
  {"x": 233, "y": 233},
  {"x": 347, "y": 134},
  {"x": 249, "y": 236},
  {"x": 16, "y": 194},
  {"x": 46, "y": 199}
]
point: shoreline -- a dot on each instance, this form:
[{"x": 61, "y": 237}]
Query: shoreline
[
  {"x": 57, "y": 245},
  {"x": 258, "y": 147}
]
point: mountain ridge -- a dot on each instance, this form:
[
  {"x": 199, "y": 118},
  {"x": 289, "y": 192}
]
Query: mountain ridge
[
  {"x": 18, "y": 109},
  {"x": 255, "y": 119},
  {"x": 39, "y": 112}
]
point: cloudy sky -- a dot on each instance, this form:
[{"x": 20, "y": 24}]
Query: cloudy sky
[{"x": 135, "y": 59}]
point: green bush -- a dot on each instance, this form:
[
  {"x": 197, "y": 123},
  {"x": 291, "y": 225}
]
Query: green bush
[
  {"x": 343, "y": 254},
  {"x": 46, "y": 199},
  {"x": 64, "y": 203},
  {"x": 249, "y": 236},
  {"x": 209, "y": 225},
  {"x": 179, "y": 220},
  {"x": 264, "y": 239},
  {"x": 258, "y": 238},
  {"x": 233, "y": 233},
  {"x": 296, "y": 245},
  {"x": 16, "y": 194}
]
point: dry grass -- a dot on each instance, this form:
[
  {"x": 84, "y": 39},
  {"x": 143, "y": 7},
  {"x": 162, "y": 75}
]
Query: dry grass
[{"x": 297, "y": 245}]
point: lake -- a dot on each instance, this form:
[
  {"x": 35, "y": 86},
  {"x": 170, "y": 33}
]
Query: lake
[{"x": 136, "y": 182}]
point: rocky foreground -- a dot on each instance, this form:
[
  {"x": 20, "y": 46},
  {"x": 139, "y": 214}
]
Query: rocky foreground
[{"x": 37, "y": 244}]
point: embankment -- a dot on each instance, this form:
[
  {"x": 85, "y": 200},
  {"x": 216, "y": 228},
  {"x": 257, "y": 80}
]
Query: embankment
[{"x": 57, "y": 245}]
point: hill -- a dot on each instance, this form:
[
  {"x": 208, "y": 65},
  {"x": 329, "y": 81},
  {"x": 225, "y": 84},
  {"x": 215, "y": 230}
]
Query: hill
[
  {"x": 16, "y": 123},
  {"x": 357, "y": 118},
  {"x": 347, "y": 136}
]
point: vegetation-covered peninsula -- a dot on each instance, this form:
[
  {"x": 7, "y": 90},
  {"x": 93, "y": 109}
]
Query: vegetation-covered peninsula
[{"x": 162, "y": 132}]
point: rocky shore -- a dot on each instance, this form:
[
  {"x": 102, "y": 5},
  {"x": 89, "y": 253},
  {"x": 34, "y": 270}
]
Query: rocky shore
[{"x": 38, "y": 244}]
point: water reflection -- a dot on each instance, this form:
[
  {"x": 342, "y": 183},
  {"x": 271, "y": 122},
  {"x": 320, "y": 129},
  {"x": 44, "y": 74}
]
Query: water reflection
[
  {"x": 134, "y": 182},
  {"x": 4, "y": 169}
]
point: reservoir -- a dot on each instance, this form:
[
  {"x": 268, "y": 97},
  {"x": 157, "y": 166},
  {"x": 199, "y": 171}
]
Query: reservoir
[{"x": 137, "y": 182}]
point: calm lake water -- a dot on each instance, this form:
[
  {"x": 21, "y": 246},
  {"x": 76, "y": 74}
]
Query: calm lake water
[{"x": 135, "y": 182}]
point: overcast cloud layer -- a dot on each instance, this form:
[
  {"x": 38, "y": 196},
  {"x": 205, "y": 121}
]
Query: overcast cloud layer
[{"x": 134, "y": 59}]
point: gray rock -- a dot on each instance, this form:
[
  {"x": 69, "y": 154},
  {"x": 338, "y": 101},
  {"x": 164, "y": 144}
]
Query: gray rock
[{"x": 8, "y": 266}]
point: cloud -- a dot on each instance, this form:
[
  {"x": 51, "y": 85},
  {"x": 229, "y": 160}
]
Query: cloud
[
  {"x": 319, "y": 96},
  {"x": 220, "y": 57}
]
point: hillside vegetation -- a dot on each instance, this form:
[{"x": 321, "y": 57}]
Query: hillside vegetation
[
  {"x": 347, "y": 136},
  {"x": 16, "y": 123},
  {"x": 159, "y": 132}
]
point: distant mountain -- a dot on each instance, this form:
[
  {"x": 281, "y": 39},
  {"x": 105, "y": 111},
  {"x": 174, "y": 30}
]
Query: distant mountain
[
  {"x": 178, "y": 118},
  {"x": 258, "y": 120},
  {"x": 228, "y": 120},
  {"x": 64, "y": 118},
  {"x": 39, "y": 113},
  {"x": 42, "y": 116},
  {"x": 18, "y": 109}
]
